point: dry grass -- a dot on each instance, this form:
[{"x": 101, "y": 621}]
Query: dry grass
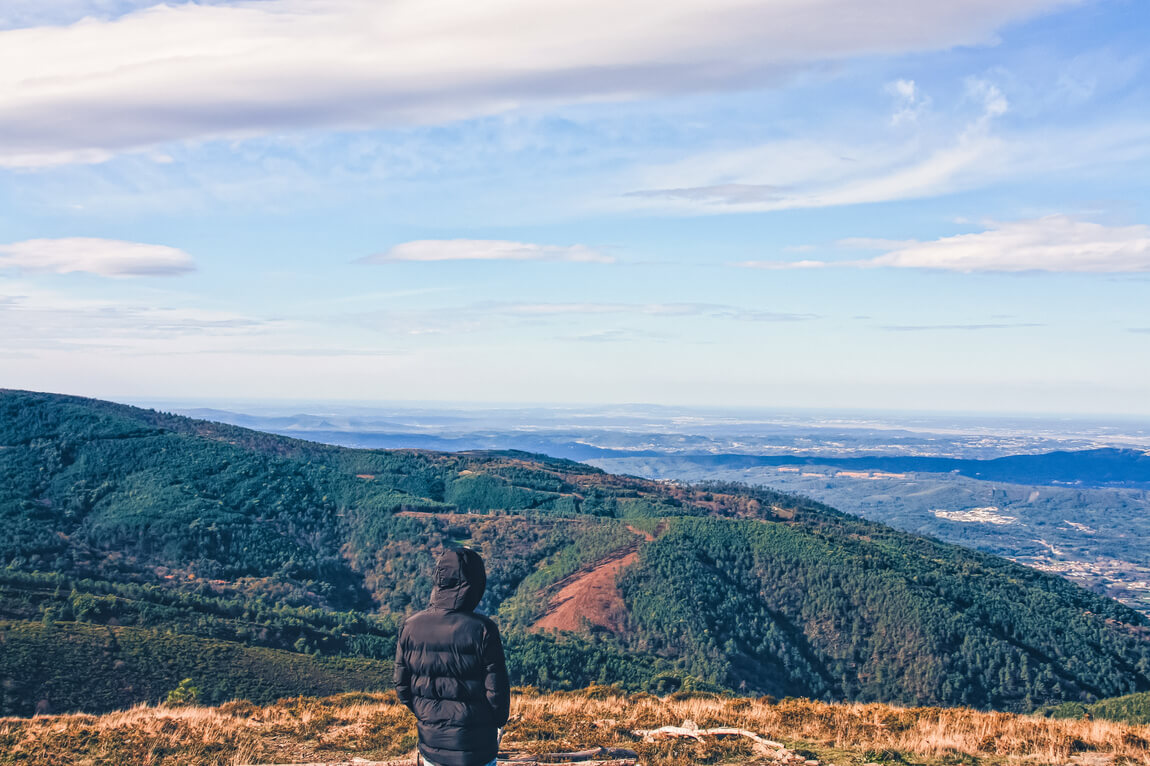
[{"x": 375, "y": 726}]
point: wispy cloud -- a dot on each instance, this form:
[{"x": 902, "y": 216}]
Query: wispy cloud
[
  {"x": 968, "y": 147},
  {"x": 712, "y": 310},
  {"x": 809, "y": 173},
  {"x": 616, "y": 335},
  {"x": 1055, "y": 243},
  {"x": 727, "y": 194},
  {"x": 196, "y": 71},
  {"x": 974, "y": 327},
  {"x": 486, "y": 250},
  {"x": 105, "y": 257},
  {"x": 910, "y": 101},
  {"x": 498, "y": 316},
  {"x": 37, "y": 320}
]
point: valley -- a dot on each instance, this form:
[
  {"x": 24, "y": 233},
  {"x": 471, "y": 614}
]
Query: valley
[{"x": 142, "y": 548}]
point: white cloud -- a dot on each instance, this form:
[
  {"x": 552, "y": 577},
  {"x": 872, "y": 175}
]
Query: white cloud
[
  {"x": 53, "y": 158},
  {"x": 1056, "y": 243},
  {"x": 905, "y": 89},
  {"x": 486, "y": 250},
  {"x": 1053, "y": 243},
  {"x": 910, "y": 102},
  {"x": 105, "y": 257},
  {"x": 197, "y": 71},
  {"x": 782, "y": 265}
]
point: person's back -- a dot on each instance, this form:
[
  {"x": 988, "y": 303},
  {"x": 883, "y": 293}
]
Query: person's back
[{"x": 450, "y": 670}]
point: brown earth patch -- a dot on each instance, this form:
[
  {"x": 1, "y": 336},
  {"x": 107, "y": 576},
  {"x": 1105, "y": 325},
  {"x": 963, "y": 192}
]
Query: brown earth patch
[
  {"x": 646, "y": 535},
  {"x": 590, "y": 595}
]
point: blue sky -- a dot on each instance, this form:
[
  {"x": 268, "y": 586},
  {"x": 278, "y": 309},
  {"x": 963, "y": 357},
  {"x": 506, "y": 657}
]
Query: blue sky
[{"x": 825, "y": 203}]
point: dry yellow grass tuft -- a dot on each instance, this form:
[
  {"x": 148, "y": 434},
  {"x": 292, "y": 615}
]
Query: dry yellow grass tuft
[{"x": 375, "y": 726}]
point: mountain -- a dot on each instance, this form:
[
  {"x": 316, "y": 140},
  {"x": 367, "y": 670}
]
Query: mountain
[
  {"x": 1092, "y": 536},
  {"x": 1102, "y": 467},
  {"x": 185, "y": 541},
  {"x": 965, "y": 482},
  {"x": 1030, "y": 452}
]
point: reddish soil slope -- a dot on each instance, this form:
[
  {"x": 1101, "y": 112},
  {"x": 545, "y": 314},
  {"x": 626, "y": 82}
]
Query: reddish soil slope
[{"x": 590, "y": 594}]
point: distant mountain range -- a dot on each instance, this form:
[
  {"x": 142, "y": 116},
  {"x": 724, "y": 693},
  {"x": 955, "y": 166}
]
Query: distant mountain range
[
  {"x": 1105, "y": 467},
  {"x": 140, "y": 548},
  {"x": 1099, "y": 467}
]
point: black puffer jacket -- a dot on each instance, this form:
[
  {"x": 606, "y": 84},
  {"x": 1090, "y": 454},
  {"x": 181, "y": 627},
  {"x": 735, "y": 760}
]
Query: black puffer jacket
[{"x": 450, "y": 670}]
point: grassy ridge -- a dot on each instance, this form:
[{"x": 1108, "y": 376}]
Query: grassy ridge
[{"x": 375, "y": 726}]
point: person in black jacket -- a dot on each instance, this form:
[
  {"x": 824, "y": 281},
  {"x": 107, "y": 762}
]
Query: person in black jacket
[{"x": 450, "y": 670}]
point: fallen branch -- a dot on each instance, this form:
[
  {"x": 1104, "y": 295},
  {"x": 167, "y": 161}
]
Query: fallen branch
[
  {"x": 665, "y": 732},
  {"x": 765, "y": 747}
]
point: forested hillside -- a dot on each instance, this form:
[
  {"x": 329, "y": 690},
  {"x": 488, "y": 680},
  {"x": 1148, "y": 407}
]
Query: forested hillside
[{"x": 204, "y": 540}]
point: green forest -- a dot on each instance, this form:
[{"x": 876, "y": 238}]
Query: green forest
[{"x": 139, "y": 549}]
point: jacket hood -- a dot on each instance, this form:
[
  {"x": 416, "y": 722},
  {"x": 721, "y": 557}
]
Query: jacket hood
[{"x": 459, "y": 580}]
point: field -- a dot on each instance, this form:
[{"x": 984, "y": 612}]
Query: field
[{"x": 376, "y": 727}]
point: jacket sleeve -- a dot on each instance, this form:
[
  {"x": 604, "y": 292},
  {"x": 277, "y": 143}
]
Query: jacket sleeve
[
  {"x": 497, "y": 685},
  {"x": 402, "y": 673}
]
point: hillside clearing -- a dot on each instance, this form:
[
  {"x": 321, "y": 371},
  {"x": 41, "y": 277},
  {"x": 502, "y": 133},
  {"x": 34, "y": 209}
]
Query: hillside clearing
[{"x": 590, "y": 595}]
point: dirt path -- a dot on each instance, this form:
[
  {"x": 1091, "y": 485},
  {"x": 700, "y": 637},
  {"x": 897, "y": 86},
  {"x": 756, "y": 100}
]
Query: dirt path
[{"x": 590, "y": 594}]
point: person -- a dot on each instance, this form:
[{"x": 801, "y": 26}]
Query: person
[{"x": 450, "y": 670}]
